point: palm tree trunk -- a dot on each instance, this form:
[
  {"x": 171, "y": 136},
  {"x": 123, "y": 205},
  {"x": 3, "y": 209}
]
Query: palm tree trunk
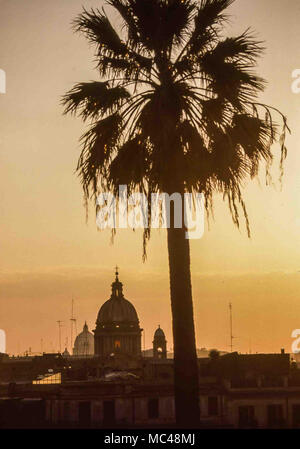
[{"x": 185, "y": 357}]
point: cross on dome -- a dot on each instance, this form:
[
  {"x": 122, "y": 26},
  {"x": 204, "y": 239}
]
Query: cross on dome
[{"x": 117, "y": 272}]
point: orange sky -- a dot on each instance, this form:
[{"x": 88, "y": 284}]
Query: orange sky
[{"x": 48, "y": 253}]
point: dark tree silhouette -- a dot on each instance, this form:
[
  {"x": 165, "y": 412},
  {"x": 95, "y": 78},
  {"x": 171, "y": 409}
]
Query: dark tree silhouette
[
  {"x": 176, "y": 111},
  {"x": 214, "y": 354}
]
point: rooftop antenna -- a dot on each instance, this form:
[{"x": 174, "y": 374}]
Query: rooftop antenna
[
  {"x": 59, "y": 333},
  {"x": 73, "y": 323},
  {"x": 66, "y": 342},
  {"x": 230, "y": 320}
]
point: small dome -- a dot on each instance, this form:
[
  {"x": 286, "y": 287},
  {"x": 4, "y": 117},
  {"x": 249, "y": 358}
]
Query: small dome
[
  {"x": 84, "y": 342},
  {"x": 117, "y": 309},
  {"x": 159, "y": 333}
]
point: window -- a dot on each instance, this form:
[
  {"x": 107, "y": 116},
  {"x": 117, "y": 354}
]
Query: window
[
  {"x": 159, "y": 353},
  {"x": 213, "y": 406},
  {"x": 109, "y": 412},
  {"x": 84, "y": 413},
  {"x": 275, "y": 415},
  {"x": 153, "y": 408},
  {"x": 247, "y": 416},
  {"x": 66, "y": 411},
  {"x": 48, "y": 379},
  {"x": 296, "y": 415}
]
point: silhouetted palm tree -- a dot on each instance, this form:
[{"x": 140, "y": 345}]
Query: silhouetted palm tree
[{"x": 177, "y": 111}]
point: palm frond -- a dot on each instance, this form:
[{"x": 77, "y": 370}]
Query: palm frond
[
  {"x": 100, "y": 144},
  {"x": 133, "y": 35},
  {"x": 171, "y": 19},
  {"x": 208, "y": 18},
  {"x": 98, "y": 29},
  {"x": 230, "y": 81},
  {"x": 130, "y": 166},
  {"x": 243, "y": 49},
  {"x": 90, "y": 100}
]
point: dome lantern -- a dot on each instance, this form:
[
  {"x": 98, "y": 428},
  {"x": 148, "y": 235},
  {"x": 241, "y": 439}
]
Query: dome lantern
[{"x": 117, "y": 287}]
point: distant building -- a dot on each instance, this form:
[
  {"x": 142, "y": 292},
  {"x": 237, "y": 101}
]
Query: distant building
[
  {"x": 66, "y": 353},
  {"x": 235, "y": 391},
  {"x": 84, "y": 343}
]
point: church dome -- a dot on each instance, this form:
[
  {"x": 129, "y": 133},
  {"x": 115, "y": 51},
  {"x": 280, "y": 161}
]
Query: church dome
[
  {"x": 84, "y": 342},
  {"x": 117, "y": 326},
  {"x": 117, "y": 309},
  {"x": 159, "y": 333}
]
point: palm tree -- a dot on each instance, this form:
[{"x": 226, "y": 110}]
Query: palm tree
[{"x": 176, "y": 111}]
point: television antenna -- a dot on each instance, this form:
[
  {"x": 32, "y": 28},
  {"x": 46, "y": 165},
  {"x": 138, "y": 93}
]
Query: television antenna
[
  {"x": 59, "y": 322},
  {"x": 230, "y": 323},
  {"x": 73, "y": 325}
]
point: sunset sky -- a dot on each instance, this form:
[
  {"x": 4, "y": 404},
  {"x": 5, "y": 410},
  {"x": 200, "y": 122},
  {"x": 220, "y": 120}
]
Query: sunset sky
[{"x": 49, "y": 253}]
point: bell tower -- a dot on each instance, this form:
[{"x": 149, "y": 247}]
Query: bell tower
[{"x": 159, "y": 344}]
